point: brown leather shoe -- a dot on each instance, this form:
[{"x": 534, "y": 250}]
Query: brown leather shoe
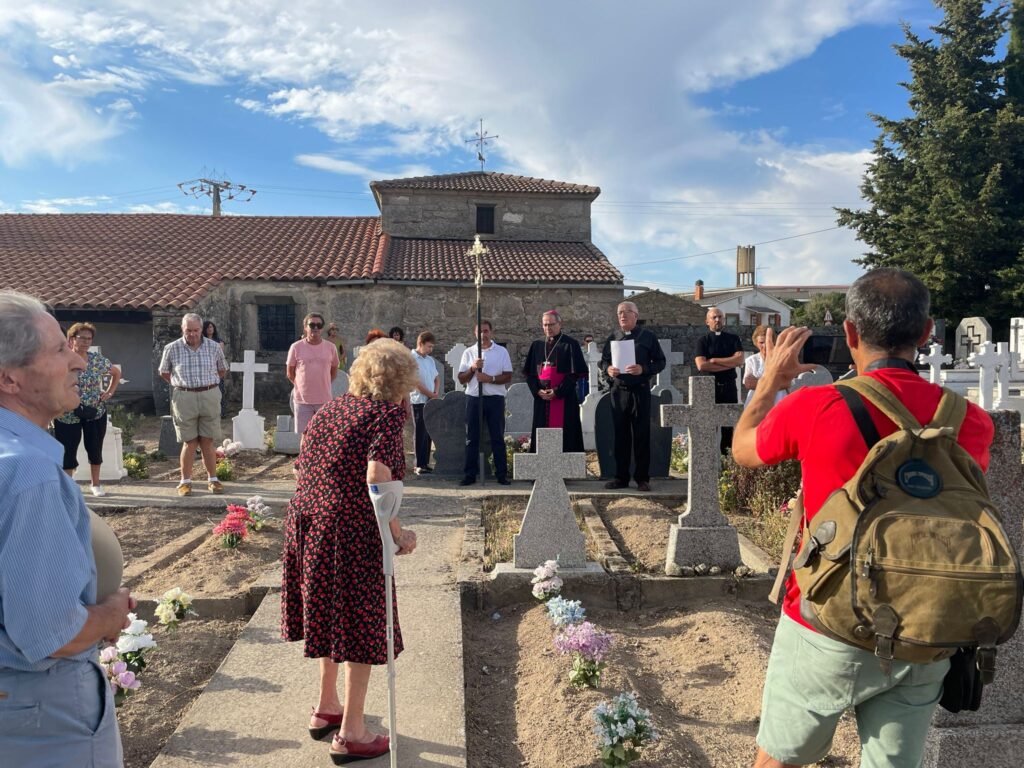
[
  {"x": 185, "y": 489},
  {"x": 215, "y": 486},
  {"x": 643, "y": 487}
]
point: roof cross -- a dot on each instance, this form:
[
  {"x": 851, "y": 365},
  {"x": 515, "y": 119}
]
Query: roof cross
[{"x": 481, "y": 141}]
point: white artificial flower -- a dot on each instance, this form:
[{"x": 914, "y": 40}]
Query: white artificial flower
[
  {"x": 137, "y": 626},
  {"x": 165, "y": 613},
  {"x": 132, "y": 643},
  {"x": 173, "y": 594}
]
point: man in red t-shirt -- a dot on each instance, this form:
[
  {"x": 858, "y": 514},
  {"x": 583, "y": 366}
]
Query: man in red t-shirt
[{"x": 812, "y": 679}]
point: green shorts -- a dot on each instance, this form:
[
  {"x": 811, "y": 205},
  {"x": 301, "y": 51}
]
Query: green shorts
[
  {"x": 196, "y": 414},
  {"x": 812, "y": 680}
]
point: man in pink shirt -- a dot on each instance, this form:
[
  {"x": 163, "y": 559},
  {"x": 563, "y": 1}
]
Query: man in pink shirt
[{"x": 312, "y": 366}]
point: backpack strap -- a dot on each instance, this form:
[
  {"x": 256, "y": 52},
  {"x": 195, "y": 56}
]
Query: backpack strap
[
  {"x": 951, "y": 411},
  {"x": 867, "y": 427},
  {"x": 884, "y": 400},
  {"x": 796, "y": 518}
]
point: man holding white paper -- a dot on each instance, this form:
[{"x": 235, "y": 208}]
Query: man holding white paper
[{"x": 631, "y": 357}]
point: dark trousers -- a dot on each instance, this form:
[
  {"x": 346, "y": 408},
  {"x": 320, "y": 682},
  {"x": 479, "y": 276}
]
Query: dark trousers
[
  {"x": 631, "y": 415},
  {"x": 726, "y": 392},
  {"x": 494, "y": 418},
  {"x": 70, "y": 435},
  {"x": 421, "y": 438}
]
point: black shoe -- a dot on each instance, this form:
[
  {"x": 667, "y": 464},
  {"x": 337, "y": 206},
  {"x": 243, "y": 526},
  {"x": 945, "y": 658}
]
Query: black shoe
[
  {"x": 504, "y": 481},
  {"x": 467, "y": 481},
  {"x": 643, "y": 487},
  {"x": 426, "y": 470},
  {"x": 613, "y": 485}
]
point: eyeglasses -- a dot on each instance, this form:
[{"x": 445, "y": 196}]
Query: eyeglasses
[
  {"x": 83, "y": 338},
  {"x": 315, "y": 326}
]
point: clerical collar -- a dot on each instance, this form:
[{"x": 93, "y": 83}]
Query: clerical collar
[
  {"x": 717, "y": 333},
  {"x": 891, "y": 362}
]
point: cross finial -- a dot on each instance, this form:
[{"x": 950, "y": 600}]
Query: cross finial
[
  {"x": 481, "y": 141},
  {"x": 478, "y": 251}
]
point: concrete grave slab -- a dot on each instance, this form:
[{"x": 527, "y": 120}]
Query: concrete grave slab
[
  {"x": 112, "y": 467},
  {"x": 518, "y": 410},
  {"x": 454, "y": 357},
  {"x": 971, "y": 333}
]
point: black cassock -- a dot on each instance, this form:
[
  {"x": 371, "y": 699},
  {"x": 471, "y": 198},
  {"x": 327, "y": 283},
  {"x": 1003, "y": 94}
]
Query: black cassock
[{"x": 567, "y": 357}]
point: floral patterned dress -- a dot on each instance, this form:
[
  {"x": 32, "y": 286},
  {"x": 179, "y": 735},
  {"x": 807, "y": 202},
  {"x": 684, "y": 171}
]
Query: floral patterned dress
[
  {"x": 90, "y": 385},
  {"x": 333, "y": 584}
]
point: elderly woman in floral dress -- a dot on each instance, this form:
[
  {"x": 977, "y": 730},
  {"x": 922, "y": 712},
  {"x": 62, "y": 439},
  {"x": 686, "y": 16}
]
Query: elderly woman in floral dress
[{"x": 333, "y": 590}]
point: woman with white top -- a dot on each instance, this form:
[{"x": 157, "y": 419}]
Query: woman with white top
[{"x": 753, "y": 369}]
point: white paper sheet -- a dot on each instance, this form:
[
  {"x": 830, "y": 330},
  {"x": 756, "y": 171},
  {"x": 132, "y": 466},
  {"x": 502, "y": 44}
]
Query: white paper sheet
[{"x": 623, "y": 354}]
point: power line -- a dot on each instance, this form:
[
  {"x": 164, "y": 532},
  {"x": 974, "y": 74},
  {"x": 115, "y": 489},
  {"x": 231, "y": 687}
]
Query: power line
[{"x": 730, "y": 250}]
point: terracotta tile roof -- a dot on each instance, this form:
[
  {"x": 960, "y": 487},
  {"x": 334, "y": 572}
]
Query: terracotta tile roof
[
  {"x": 487, "y": 181},
  {"x": 508, "y": 261},
  {"x": 150, "y": 261}
]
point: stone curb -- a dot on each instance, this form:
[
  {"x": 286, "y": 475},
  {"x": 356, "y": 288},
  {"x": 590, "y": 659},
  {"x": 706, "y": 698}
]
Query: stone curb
[
  {"x": 233, "y": 607},
  {"x": 165, "y": 554}
]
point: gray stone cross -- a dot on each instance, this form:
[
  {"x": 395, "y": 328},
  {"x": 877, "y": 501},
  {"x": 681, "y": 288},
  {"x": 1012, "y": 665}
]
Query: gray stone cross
[
  {"x": 549, "y": 530},
  {"x": 702, "y": 535},
  {"x": 663, "y": 381},
  {"x": 454, "y": 359},
  {"x": 249, "y": 368},
  {"x": 934, "y": 360}
]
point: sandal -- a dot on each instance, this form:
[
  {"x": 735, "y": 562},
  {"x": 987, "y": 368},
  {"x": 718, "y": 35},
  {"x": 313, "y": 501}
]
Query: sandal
[
  {"x": 333, "y": 724},
  {"x": 356, "y": 750}
]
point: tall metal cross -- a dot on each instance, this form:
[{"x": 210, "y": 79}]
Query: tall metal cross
[{"x": 481, "y": 141}]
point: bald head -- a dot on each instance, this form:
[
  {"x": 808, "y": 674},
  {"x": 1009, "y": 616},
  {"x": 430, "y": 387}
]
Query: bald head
[{"x": 714, "y": 319}]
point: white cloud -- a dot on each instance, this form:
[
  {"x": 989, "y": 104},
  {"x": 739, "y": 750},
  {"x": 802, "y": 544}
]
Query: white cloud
[
  {"x": 167, "y": 208},
  {"x": 349, "y": 168},
  {"x": 61, "y": 204}
]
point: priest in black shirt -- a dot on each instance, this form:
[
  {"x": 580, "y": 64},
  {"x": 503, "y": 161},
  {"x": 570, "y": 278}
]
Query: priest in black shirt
[
  {"x": 552, "y": 369},
  {"x": 719, "y": 353},
  {"x": 631, "y": 398}
]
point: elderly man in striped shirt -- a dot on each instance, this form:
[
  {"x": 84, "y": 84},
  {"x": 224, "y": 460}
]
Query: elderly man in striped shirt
[
  {"x": 56, "y": 706},
  {"x": 194, "y": 365}
]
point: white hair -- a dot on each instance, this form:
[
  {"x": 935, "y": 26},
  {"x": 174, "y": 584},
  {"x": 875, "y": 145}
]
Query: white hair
[
  {"x": 19, "y": 334},
  {"x": 189, "y": 318}
]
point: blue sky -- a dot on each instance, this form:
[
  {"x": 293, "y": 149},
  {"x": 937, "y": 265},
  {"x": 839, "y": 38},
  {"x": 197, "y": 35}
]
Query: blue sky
[{"x": 705, "y": 129}]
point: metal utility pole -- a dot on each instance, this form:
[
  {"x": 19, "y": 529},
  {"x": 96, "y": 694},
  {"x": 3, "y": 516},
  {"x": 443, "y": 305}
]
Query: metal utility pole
[
  {"x": 481, "y": 141},
  {"x": 212, "y": 188}
]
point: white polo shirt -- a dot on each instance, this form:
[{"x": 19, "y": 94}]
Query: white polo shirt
[{"x": 496, "y": 362}]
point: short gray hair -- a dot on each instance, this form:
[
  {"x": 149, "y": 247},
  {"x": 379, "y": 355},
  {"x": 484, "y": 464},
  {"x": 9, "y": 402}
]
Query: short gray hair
[
  {"x": 19, "y": 334},
  {"x": 889, "y": 308},
  {"x": 190, "y": 317}
]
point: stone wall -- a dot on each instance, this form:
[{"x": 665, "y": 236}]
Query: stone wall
[
  {"x": 516, "y": 217},
  {"x": 659, "y": 308}
]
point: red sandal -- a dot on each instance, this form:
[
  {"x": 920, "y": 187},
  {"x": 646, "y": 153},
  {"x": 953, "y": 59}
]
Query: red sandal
[
  {"x": 356, "y": 750},
  {"x": 333, "y": 724}
]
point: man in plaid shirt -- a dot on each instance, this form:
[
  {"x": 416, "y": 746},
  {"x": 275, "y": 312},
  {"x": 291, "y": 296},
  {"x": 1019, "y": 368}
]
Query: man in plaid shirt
[{"x": 193, "y": 366}]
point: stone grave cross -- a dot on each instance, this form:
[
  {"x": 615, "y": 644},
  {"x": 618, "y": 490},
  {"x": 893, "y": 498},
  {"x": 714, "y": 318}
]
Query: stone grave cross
[
  {"x": 993, "y": 362},
  {"x": 1016, "y": 345},
  {"x": 454, "y": 358},
  {"x": 934, "y": 360},
  {"x": 702, "y": 535},
  {"x": 663, "y": 381},
  {"x": 248, "y": 425},
  {"x": 593, "y": 365},
  {"x": 549, "y": 530}
]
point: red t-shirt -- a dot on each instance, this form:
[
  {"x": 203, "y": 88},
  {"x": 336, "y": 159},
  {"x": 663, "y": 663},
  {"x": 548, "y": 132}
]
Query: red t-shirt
[{"x": 815, "y": 426}]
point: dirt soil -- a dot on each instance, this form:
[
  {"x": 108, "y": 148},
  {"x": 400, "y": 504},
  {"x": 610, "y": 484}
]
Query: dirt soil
[
  {"x": 141, "y": 531},
  {"x": 640, "y": 527},
  {"x": 699, "y": 672},
  {"x": 212, "y": 571},
  {"x": 177, "y": 672},
  {"x": 502, "y": 520}
]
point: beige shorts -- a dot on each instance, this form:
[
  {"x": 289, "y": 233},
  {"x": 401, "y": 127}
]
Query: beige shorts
[{"x": 196, "y": 414}]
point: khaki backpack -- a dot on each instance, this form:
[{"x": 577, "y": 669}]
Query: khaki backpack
[{"x": 909, "y": 558}]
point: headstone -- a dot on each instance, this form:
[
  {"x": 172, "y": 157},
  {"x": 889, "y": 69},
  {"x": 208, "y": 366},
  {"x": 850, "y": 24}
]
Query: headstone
[
  {"x": 934, "y": 360},
  {"x": 588, "y": 418},
  {"x": 454, "y": 358},
  {"x": 112, "y": 467},
  {"x": 663, "y": 381},
  {"x": 286, "y": 439},
  {"x": 993, "y": 362},
  {"x": 518, "y": 410},
  {"x": 971, "y": 333},
  {"x": 340, "y": 384},
  {"x": 445, "y": 418},
  {"x": 702, "y": 535},
  {"x": 168, "y": 445},
  {"x": 820, "y": 376},
  {"x": 549, "y": 530},
  {"x": 661, "y": 437},
  {"x": 1017, "y": 345},
  {"x": 593, "y": 357},
  {"x": 986, "y": 738},
  {"x": 248, "y": 426}
]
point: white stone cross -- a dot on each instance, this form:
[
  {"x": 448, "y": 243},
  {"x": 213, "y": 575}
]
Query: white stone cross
[
  {"x": 663, "y": 380},
  {"x": 702, "y": 419},
  {"x": 1016, "y": 343},
  {"x": 454, "y": 359},
  {"x": 549, "y": 530},
  {"x": 249, "y": 368},
  {"x": 593, "y": 366},
  {"x": 934, "y": 360},
  {"x": 993, "y": 362}
]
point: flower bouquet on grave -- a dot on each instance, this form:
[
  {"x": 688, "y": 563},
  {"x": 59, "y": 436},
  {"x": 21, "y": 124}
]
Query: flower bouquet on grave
[
  {"x": 125, "y": 661},
  {"x": 588, "y": 646},
  {"x": 173, "y": 608},
  {"x": 259, "y": 513},
  {"x": 227, "y": 448},
  {"x": 680, "y": 455},
  {"x": 622, "y": 728},
  {"x": 564, "y": 613},
  {"x": 233, "y": 528},
  {"x": 546, "y": 583}
]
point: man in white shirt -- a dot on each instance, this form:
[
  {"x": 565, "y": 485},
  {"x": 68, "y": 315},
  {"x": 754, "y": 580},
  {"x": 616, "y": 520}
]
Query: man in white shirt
[
  {"x": 492, "y": 370},
  {"x": 427, "y": 388}
]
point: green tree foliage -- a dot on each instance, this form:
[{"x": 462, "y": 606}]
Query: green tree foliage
[
  {"x": 945, "y": 190},
  {"x": 813, "y": 311}
]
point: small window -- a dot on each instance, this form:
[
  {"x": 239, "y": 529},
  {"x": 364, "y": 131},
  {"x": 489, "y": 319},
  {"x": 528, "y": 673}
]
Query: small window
[
  {"x": 277, "y": 327},
  {"x": 732, "y": 319},
  {"x": 485, "y": 219},
  {"x": 777, "y": 320},
  {"x": 755, "y": 318}
]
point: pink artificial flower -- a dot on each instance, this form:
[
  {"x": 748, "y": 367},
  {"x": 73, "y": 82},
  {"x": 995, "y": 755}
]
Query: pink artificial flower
[
  {"x": 108, "y": 654},
  {"x": 118, "y": 668},
  {"x": 127, "y": 681}
]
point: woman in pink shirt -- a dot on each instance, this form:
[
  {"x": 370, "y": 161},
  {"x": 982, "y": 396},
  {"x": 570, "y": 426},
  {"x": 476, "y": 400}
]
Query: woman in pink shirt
[{"x": 312, "y": 366}]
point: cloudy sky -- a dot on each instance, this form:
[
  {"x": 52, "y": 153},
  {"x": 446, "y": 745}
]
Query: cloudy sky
[{"x": 706, "y": 125}]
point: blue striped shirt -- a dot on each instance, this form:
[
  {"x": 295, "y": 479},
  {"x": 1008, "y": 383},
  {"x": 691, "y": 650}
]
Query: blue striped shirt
[{"x": 47, "y": 571}]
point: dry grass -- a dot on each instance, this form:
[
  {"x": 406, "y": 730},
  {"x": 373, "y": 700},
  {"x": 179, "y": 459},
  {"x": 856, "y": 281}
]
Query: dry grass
[{"x": 502, "y": 519}]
